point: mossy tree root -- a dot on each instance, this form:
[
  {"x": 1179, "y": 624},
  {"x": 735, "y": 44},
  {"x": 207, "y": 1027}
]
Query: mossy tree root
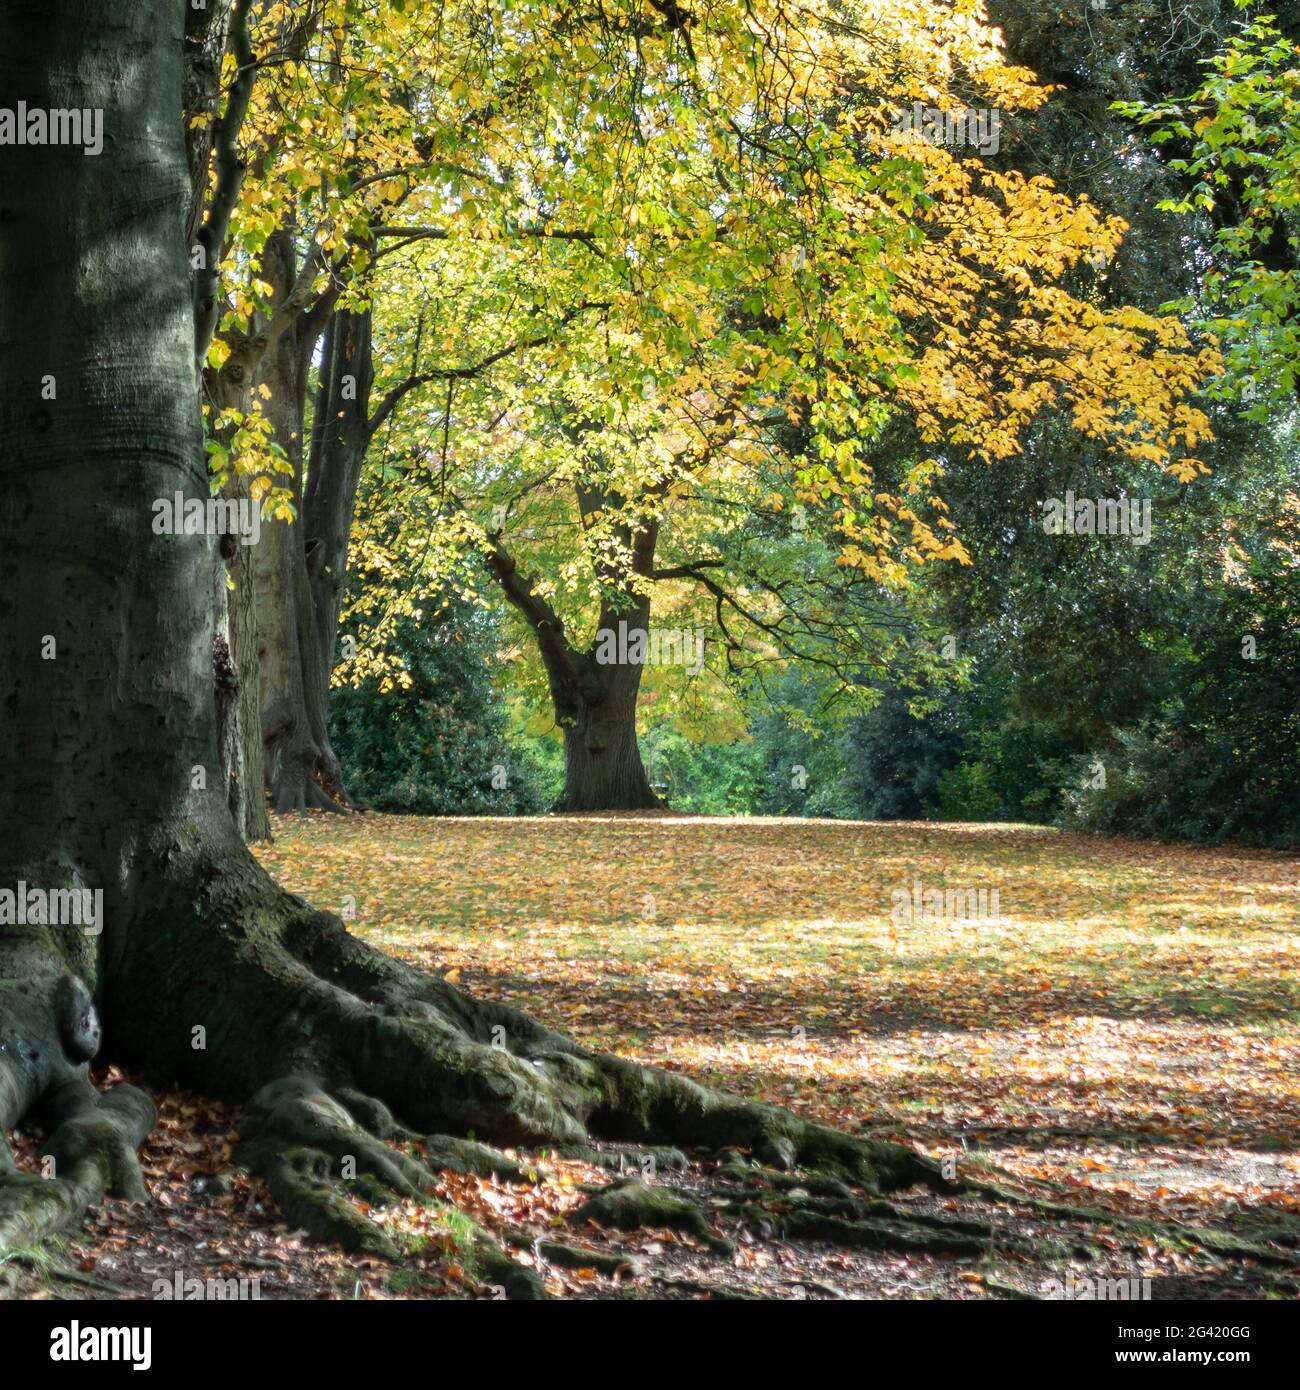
[
  {"x": 359, "y": 1072},
  {"x": 336, "y": 1048},
  {"x": 49, "y": 1031},
  {"x": 1132, "y": 1229}
]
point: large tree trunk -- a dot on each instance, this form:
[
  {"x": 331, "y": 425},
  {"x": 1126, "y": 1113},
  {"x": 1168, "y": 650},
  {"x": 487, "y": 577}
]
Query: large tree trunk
[
  {"x": 603, "y": 770},
  {"x": 106, "y": 629},
  {"x": 204, "y": 971}
]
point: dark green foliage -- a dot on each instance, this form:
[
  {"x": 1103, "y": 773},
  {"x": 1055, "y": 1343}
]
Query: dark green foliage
[
  {"x": 895, "y": 762},
  {"x": 1221, "y": 758},
  {"x": 1081, "y": 656},
  {"x": 881, "y": 766},
  {"x": 703, "y": 779},
  {"x": 439, "y": 746}
]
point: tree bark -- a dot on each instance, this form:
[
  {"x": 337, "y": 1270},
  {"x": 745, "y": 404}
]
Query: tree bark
[
  {"x": 603, "y": 770},
  {"x": 595, "y": 706},
  {"x": 241, "y": 747},
  {"x": 341, "y": 434},
  {"x": 106, "y": 629},
  {"x": 206, "y": 31},
  {"x": 299, "y": 760},
  {"x": 594, "y": 703},
  {"x": 235, "y": 649}
]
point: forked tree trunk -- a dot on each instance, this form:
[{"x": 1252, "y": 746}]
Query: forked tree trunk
[
  {"x": 595, "y": 696},
  {"x": 594, "y": 701}
]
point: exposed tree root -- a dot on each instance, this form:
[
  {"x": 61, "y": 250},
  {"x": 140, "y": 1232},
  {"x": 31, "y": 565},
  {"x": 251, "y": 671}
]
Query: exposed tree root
[
  {"x": 443, "y": 1153},
  {"x": 50, "y": 1269},
  {"x": 808, "y": 1207},
  {"x": 49, "y": 1029},
  {"x": 1216, "y": 1242},
  {"x": 575, "y": 1257},
  {"x": 90, "y": 1149},
  {"x": 719, "y": 1293},
  {"x": 901, "y": 1236},
  {"x": 650, "y": 1158},
  {"x": 632, "y": 1206}
]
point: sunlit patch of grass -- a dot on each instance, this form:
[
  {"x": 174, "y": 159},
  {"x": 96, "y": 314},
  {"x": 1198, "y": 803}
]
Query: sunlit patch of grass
[{"x": 1124, "y": 988}]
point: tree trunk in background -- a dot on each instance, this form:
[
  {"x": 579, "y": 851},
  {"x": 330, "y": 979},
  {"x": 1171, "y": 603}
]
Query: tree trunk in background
[
  {"x": 295, "y": 743},
  {"x": 206, "y": 29},
  {"x": 603, "y": 770},
  {"x": 594, "y": 703},
  {"x": 341, "y": 434},
  {"x": 235, "y": 659},
  {"x": 235, "y": 620},
  {"x": 596, "y": 709},
  {"x": 242, "y": 724}
]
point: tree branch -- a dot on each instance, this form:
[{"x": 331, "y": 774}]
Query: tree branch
[
  {"x": 211, "y": 235},
  {"x": 546, "y": 623},
  {"x": 394, "y": 395}
]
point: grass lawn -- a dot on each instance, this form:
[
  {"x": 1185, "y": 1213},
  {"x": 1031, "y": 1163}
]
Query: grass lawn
[{"x": 1127, "y": 1023}]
